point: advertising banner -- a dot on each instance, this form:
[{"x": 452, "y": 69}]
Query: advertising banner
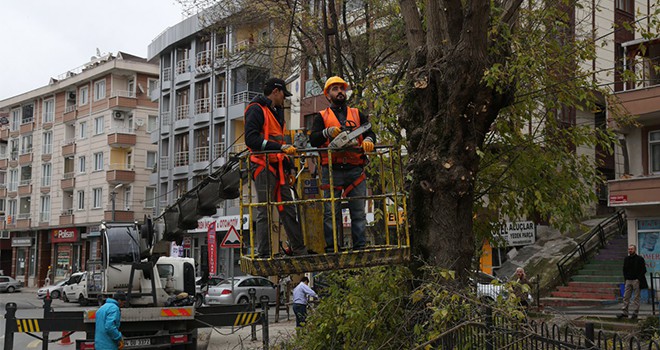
[
  {"x": 64, "y": 235},
  {"x": 211, "y": 248},
  {"x": 649, "y": 248}
]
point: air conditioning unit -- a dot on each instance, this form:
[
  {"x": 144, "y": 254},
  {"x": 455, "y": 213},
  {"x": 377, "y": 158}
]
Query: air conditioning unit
[
  {"x": 119, "y": 115},
  {"x": 72, "y": 95}
]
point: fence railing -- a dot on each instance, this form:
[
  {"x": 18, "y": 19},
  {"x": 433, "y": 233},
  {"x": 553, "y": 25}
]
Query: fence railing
[{"x": 597, "y": 237}]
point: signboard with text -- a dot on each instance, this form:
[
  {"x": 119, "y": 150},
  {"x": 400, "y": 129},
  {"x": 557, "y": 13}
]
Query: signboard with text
[
  {"x": 211, "y": 248},
  {"x": 64, "y": 235},
  {"x": 648, "y": 232},
  {"x": 518, "y": 233}
]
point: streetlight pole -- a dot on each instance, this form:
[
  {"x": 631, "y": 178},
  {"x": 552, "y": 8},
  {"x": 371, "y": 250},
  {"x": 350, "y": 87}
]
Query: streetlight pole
[{"x": 112, "y": 198}]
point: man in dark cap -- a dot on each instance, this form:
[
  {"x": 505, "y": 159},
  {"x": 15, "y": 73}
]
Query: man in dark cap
[
  {"x": 265, "y": 131},
  {"x": 107, "y": 335}
]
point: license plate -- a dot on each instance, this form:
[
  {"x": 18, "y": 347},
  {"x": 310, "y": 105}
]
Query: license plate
[{"x": 137, "y": 342}]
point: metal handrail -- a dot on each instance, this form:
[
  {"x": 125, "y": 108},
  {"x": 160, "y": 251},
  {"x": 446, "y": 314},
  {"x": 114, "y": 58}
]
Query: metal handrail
[{"x": 595, "y": 238}]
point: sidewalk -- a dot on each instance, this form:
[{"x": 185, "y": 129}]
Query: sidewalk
[
  {"x": 609, "y": 310},
  {"x": 240, "y": 338}
]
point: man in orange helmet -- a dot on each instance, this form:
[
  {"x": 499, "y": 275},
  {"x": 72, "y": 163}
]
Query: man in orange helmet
[
  {"x": 264, "y": 131},
  {"x": 347, "y": 167}
]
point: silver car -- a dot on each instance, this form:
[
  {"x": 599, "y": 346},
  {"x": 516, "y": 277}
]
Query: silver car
[
  {"x": 54, "y": 290},
  {"x": 9, "y": 285},
  {"x": 223, "y": 293}
]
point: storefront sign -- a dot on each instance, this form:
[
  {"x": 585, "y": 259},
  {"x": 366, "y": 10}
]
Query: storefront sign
[
  {"x": 64, "y": 235},
  {"x": 222, "y": 223},
  {"x": 648, "y": 232},
  {"x": 518, "y": 233},
  {"x": 211, "y": 248},
  {"x": 618, "y": 199},
  {"x": 21, "y": 242}
]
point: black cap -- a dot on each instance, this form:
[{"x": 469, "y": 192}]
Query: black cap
[
  {"x": 119, "y": 295},
  {"x": 272, "y": 83}
]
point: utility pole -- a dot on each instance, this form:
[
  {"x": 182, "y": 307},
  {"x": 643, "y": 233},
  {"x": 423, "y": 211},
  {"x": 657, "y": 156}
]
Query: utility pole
[{"x": 113, "y": 194}]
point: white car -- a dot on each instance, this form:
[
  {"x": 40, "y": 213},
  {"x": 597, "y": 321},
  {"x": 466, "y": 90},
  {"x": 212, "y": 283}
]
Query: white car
[
  {"x": 488, "y": 290},
  {"x": 74, "y": 289},
  {"x": 224, "y": 294},
  {"x": 55, "y": 290}
]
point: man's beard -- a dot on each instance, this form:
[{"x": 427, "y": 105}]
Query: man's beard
[{"x": 337, "y": 101}]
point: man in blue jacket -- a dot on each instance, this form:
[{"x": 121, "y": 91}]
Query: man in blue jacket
[{"x": 107, "y": 335}]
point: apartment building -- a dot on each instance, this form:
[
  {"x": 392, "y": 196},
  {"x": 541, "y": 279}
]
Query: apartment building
[
  {"x": 74, "y": 153},
  {"x": 636, "y": 188},
  {"x": 208, "y": 76}
]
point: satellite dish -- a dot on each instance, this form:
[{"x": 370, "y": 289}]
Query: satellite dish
[{"x": 4, "y": 121}]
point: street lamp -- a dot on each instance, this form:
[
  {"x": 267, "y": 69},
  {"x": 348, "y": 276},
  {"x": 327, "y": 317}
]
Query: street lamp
[{"x": 112, "y": 198}]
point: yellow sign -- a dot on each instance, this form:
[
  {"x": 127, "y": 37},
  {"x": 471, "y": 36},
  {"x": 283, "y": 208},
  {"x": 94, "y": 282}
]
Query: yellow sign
[{"x": 390, "y": 218}]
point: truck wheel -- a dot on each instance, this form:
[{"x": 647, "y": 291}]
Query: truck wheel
[
  {"x": 199, "y": 300},
  {"x": 82, "y": 300}
]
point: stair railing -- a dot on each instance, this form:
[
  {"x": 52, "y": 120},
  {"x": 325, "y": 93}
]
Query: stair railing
[{"x": 595, "y": 238}]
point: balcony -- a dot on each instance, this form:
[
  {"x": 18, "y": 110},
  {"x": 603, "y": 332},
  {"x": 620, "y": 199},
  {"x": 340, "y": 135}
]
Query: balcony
[
  {"x": 68, "y": 181},
  {"x": 635, "y": 191},
  {"x": 122, "y": 99},
  {"x": 181, "y": 162},
  {"x": 203, "y": 62},
  {"x": 4, "y": 134},
  {"x": 120, "y": 215},
  {"x": 25, "y": 187},
  {"x": 3, "y": 191},
  {"x": 69, "y": 147},
  {"x": 167, "y": 79},
  {"x": 66, "y": 217},
  {"x": 27, "y": 127},
  {"x": 26, "y": 157},
  {"x": 70, "y": 114},
  {"x": 121, "y": 137},
  {"x": 120, "y": 173},
  {"x": 23, "y": 220},
  {"x": 4, "y": 163}
]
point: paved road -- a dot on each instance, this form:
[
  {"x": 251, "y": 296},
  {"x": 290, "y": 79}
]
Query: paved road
[{"x": 29, "y": 306}]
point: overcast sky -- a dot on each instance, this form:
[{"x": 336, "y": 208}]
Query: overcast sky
[{"x": 44, "y": 38}]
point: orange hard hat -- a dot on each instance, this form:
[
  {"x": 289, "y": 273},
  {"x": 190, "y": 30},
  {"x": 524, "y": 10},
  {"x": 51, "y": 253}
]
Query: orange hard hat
[{"x": 334, "y": 80}]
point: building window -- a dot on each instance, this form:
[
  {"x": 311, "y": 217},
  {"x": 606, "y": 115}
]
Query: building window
[
  {"x": 99, "y": 90},
  {"x": 81, "y": 200},
  {"x": 151, "y": 159},
  {"x": 26, "y": 144},
  {"x": 13, "y": 148},
  {"x": 150, "y": 197},
  {"x": 26, "y": 175},
  {"x": 48, "y": 111},
  {"x": 13, "y": 180},
  {"x": 625, "y": 5},
  {"x": 46, "y": 171},
  {"x": 47, "y": 144},
  {"x": 82, "y": 164},
  {"x": 44, "y": 214},
  {"x": 152, "y": 123},
  {"x": 128, "y": 198},
  {"x": 98, "y": 161},
  {"x": 654, "y": 151},
  {"x": 84, "y": 96},
  {"x": 82, "y": 130},
  {"x": 15, "y": 119},
  {"x": 97, "y": 194},
  {"x": 99, "y": 124}
]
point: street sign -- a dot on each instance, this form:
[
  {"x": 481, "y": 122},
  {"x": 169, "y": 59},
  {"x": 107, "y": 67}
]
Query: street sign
[{"x": 231, "y": 240}]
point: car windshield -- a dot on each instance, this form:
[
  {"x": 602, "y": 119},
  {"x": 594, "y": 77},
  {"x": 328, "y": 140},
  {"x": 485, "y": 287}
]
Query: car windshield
[{"x": 60, "y": 284}]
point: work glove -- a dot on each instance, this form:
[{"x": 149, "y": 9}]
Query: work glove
[
  {"x": 368, "y": 145},
  {"x": 288, "y": 149},
  {"x": 331, "y": 132},
  {"x": 121, "y": 344}
]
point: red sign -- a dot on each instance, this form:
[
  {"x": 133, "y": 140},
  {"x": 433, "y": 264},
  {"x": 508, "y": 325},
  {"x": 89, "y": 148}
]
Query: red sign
[
  {"x": 64, "y": 235},
  {"x": 618, "y": 198},
  {"x": 231, "y": 239},
  {"x": 211, "y": 248}
]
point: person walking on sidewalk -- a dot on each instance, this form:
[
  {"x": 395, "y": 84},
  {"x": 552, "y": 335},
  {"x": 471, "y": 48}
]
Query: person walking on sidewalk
[
  {"x": 300, "y": 295},
  {"x": 634, "y": 272}
]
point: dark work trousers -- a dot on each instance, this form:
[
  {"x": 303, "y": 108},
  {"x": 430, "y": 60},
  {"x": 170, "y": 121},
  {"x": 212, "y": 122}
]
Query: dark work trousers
[
  {"x": 344, "y": 178},
  {"x": 300, "y": 310},
  {"x": 265, "y": 187}
]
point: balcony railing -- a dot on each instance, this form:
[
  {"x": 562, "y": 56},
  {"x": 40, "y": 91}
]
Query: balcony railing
[
  {"x": 121, "y": 130},
  {"x": 167, "y": 74},
  {"x": 165, "y": 118},
  {"x": 69, "y": 175},
  {"x": 120, "y": 166},
  {"x": 219, "y": 149},
  {"x": 243, "y": 97},
  {"x": 27, "y": 120},
  {"x": 182, "y": 66},
  {"x": 181, "y": 158},
  {"x": 181, "y": 112},
  {"x": 221, "y": 51},
  {"x": 202, "y": 105},
  {"x": 203, "y": 58},
  {"x": 70, "y": 108},
  {"x": 164, "y": 163},
  {"x": 23, "y": 216},
  {"x": 202, "y": 154},
  {"x": 646, "y": 74},
  {"x": 26, "y": 150},
  {"x": 66, "y": 212},
  {"x": 25, "y": 182},
  {"x": 220, "y": 100},
  {"x": 122, "y": 93}
]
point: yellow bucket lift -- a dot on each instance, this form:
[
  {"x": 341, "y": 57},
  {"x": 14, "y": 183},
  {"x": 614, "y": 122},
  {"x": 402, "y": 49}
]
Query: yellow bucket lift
[{"x": 390, "y": 241}]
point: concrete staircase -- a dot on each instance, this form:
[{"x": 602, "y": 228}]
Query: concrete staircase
[{"x": 597, "y": 283}]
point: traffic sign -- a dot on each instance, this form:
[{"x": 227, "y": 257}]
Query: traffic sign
[{"x": 231, "y": 240}]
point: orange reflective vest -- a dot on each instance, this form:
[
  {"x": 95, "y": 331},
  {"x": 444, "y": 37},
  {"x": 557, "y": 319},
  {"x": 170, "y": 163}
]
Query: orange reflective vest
[
  {"x": 272, "y": 131},
  {"x": 353, "y": 119}
]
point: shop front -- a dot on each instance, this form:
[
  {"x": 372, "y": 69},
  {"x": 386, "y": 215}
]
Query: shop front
[
  {"x": 24, "y": 254},
  {"x": 67, "y": 253},
  {"x": 195, "y": 245}
]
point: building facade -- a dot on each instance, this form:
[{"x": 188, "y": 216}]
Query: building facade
[{"x": 74, "y": 153}]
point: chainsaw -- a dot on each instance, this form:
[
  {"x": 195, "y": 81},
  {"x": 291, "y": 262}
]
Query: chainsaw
[{"x": 348, "y": 138}]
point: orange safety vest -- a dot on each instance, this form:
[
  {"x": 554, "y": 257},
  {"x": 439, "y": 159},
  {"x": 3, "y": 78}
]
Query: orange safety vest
[
  {"x": 272, "y": 131},
  {"x": 330, "y": 119}
]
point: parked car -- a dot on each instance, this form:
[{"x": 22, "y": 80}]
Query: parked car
[
  {"x": 55, "y": 290},
  {"x": 74, "y": 291},
  {"x": 9, "y": 285},
  {"x": 490, "y": 287},
  {"x": 223, "y": 294},
  {"x": 201, "y": 287}
]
